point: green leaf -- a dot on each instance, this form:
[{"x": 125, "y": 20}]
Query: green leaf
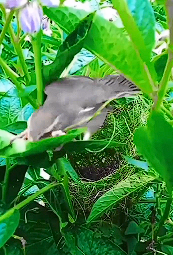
[
  {"x": 162, "y": 2},
  {"x": 8, "y": 227},
  {"x": 70, "y": 47},
  {"x": 120, "y": 191},
  {"x": 16, "y": 127},
  {"x": 82, "y": 59},
  {"x": 137, "y": 163},
  {"x": 93, "y": 145},
  {"x": 42, "y": 231},
  {"x": 155, "y": 142},
  {"x": 133, "y": 229},
  {"x": 138, "y": 19},
  {"x": 50, "y": 40},
  {"x": 111, "y": 44},
  {"x": 143, "y": 15},
  {"x": 25, "y": 113},
  {"x": 85, "y": 241},
  {"x": 131, "y": 244},
  {"x": 13, "y": 182},
  {"x": 68, "y": 169},
  {"x": 167, "y": 248},
  {"x": 21, "y": 147},
  {"x": 27, "y": 91},
  {"x": 160, "y": 64},
  {"x": 101, "y": 41},
  {"x": 58, "y": 202},
  {"x": 71, "y": 16},
  {"x": 41, "y": 160},
  {"x": 10, "y": 105},
  {"x": 13, "y": 249},
  {"x": 2, "y": 174},
  {"x": 62, "y": 170}
]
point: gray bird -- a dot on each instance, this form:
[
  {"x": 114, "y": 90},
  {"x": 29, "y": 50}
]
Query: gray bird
[{"x": 72, "y": 102}]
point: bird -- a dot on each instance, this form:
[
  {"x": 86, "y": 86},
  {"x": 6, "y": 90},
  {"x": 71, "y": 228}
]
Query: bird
[{"x": 77, "y": 101}]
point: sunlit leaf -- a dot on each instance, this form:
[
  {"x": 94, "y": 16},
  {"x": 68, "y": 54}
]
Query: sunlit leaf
[
  {"x": 116, "y": 50},
  {"x": 142, "y": 31},
  {"x": 21, "y": 147}
]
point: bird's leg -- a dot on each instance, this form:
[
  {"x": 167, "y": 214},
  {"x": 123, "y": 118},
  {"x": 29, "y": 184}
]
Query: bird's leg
[{"x": 23, "y": 135}]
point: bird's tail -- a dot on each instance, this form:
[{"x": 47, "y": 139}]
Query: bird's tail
[{"x": 120, "y": 86}]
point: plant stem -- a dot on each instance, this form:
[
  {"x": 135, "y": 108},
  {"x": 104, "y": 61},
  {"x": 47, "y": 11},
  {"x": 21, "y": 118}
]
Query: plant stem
[
  {"x": 16, "y": 44},
  {"x": 164, "y": 217},
  {"x": 19, "y": 52},
  {"x": 5, "y": 183},
  {"x": 26, "y": 201},
  {"x": 13, "y": 76},
  {"x": 36, "y": 43},
  {"x": 6, "y": 25},
  {"x": 164, "y": 81}
]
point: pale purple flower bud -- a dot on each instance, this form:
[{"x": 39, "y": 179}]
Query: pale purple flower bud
[
  {"x": 12, "y": 4},
  {"x": 31, "y": 17},
  {"x": 50, "y": 3}
]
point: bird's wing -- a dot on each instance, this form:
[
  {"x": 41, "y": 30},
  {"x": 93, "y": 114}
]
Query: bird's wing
[{"x": 118, "y": 86}]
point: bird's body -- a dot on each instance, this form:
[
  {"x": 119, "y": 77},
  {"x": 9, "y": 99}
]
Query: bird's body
[{"x": 72, "y": 102}]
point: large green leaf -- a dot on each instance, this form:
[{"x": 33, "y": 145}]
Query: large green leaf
[
  {"x": 110, "y": 43},
  {"x": 155, "y": 142},
  {"x": 21, "y": 147},
  {"x": 85, "y": 241},
  {"x": 42, "y": 231},
  {"x": 139, "y": 21},
  {"x": 8, "y": 227},
  {"x": 119, "y": 191},
  {"x": 70, "y": 47}
]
